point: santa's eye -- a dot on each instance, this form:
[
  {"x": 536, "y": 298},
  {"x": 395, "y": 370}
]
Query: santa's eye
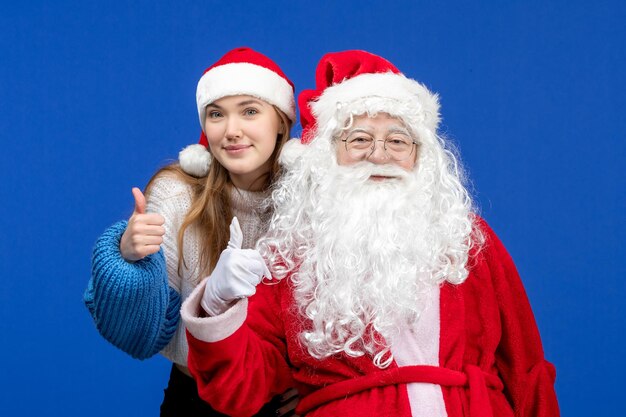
[
  {"x": 359, "y": 143},
  {"x": 360, "y": 139}
]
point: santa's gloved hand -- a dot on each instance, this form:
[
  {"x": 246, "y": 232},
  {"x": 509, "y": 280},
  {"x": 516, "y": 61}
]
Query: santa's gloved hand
[{"x": 236, "y": 275}]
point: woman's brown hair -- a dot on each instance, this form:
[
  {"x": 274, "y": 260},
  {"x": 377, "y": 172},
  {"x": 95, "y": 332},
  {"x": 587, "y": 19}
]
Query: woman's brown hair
[{"x": 210, "y": 209}]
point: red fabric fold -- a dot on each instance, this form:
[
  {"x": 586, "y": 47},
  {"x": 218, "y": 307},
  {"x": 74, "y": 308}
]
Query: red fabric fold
[
  {"x": 479, "y": 403},
  {"x": 473, "y": 377},
  {"x": 537, "y": 400}
]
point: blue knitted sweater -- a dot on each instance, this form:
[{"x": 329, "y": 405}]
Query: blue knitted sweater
[
  {"x": 132, "y": 304},
  {"x": 136, "y": 306}
]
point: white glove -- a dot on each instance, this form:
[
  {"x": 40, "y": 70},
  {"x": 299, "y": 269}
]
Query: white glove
[{"x": 236, "y": 275}]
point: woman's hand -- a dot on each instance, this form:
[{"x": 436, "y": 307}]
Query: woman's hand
[
  {"x": 144, "y": 233},
  {"x": 236, "y": 275}
]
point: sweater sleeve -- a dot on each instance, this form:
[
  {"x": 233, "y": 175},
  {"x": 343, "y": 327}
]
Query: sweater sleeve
[
  {"x": 528, "y": 378},
  {"x": 132, "y": 305},
  {"x": 238, "y": 359}
]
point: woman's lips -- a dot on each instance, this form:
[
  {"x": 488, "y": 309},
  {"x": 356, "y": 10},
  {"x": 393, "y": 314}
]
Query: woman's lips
[{"x": 235, "y": 149}]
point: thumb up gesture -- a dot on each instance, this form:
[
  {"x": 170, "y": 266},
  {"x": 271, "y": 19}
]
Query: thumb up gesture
[
  {"x": 144, "y": 233},
  {"x": 236, "y": 275}
]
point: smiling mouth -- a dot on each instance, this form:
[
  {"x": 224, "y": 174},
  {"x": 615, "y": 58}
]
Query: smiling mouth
[
  {"x": 236, "y": 148},
  {"x": 381, "y": 177}
]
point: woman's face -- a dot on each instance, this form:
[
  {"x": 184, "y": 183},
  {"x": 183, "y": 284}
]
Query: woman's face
[{"x": 242, "y": 132}]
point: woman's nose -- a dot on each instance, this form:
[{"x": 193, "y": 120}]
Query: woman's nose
[{"x": 233, "y": 129}]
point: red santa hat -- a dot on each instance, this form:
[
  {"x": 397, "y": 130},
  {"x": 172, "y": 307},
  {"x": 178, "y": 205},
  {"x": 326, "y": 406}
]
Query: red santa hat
[
  {"x": 241, "y": 71},
  {"x": 359, "y": 82}
]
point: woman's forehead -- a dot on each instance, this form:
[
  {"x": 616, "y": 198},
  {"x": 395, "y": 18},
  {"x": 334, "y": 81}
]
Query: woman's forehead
[{"x": 237, "y": 101}]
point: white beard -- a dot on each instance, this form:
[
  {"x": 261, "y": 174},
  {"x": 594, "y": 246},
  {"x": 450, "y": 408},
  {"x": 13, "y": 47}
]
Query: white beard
[{"x": 362, "y": 254}]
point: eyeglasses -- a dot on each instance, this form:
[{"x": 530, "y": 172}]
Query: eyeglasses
[{"x": 397, "y": 147}]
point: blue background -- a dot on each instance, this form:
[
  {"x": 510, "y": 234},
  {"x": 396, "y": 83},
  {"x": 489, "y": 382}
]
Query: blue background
[{"x": 94, "y": 98}]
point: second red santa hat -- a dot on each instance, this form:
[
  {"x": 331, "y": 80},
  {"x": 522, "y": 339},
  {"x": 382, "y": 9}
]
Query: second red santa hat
[{"x": 358, "y": 82}]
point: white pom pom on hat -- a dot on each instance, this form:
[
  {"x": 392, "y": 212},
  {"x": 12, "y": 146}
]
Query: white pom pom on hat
[
  {"x": 291, "y": 150},
  {"x": 241, "y": 71},
  {"x": 195, "y": 160}
]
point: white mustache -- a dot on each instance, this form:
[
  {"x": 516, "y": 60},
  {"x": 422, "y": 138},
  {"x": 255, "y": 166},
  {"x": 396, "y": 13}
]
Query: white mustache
[{"x": 364, "y": 170}]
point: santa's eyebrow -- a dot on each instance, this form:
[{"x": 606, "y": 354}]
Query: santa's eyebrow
[
  {"x": 359, "y": 130},
  {"x": 390, "y": 130},
  {"x": 399, "y": 129}
]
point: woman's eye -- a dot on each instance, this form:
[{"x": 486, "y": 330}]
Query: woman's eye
[
  {"x": 250, "y": 112},
  {"x": 214, "y": 114}
]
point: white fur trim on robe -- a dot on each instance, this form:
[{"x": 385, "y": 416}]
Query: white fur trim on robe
[
  {"x": 420, "y": 346},
  {"x": 212, "y": 329}
]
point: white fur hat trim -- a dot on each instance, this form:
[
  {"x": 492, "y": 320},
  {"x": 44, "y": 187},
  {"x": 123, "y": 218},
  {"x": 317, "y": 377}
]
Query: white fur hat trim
[
  {"x": 242, "y": 78},
  {"x": 402, "y": 97}
]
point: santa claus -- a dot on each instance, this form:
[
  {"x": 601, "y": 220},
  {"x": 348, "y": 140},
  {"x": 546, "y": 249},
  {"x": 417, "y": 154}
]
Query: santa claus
[{"x": 386, "y": 294}]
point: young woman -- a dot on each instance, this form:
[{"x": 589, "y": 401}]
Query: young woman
[{"x": 145, "y": 267}]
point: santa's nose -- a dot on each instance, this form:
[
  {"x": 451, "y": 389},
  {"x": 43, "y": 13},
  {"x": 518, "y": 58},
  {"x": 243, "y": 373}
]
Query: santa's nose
[{"x": 378, "y": 155}]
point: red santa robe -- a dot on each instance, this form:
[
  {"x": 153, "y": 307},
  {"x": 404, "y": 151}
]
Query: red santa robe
[{"x": 474, "y": 352}]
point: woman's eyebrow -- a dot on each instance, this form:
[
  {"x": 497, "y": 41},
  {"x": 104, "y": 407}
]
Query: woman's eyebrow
[{"x": 248, "y": 102}]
